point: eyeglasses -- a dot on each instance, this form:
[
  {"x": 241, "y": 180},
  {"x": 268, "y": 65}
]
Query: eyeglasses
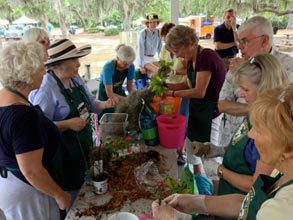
[{"x": 245, "y": 41}]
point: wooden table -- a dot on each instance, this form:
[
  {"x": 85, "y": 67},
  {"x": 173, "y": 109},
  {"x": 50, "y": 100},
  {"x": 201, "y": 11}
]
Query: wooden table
[{"x": 138, "y": 207}]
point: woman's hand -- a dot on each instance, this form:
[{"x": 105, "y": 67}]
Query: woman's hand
[
  {"x": 168, "y": 93},
  {"x": 63, "y": 200},
  {"x": 76, "y": 124},
  {"x": 187, "y": 203},
  {"x": 164, "y": 211},
  {"x": 111, "y": 102}
]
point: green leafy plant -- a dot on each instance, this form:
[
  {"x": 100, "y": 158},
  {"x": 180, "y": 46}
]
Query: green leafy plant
[
  {"x": 111, "y": 31},
  {"x": 158, "y": 85},
  {"x": 176, "y": 186}
]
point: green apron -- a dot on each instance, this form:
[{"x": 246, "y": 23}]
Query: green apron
[
  {"x": 258, "y": 194},
  {"x": 234, "y": 158},
  {"x": 71, "y": 159},
  {"x": 201, "y": 112},
  {"x": 117, "y": 80}
]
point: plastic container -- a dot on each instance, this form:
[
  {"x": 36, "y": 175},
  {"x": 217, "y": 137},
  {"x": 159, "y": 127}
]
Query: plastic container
[
  {"x": 113, "y": 124},
  {"x": 101, "y": 184},
  {"x": 123, "y": 216},
  {"x": 166, "y": 107},
  {"x": 171, "y": 130},
  {"x": 157, "y": 100}
]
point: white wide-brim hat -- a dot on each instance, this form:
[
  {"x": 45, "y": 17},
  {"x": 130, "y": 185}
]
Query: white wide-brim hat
[{"x": 64, "y": 49}]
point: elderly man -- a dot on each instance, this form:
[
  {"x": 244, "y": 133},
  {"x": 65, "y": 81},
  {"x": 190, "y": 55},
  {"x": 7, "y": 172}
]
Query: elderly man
[
  {"x": 149, "y": 44},
  {"x": 255, "y": 36},
  {"x": 225, "y": 37}
]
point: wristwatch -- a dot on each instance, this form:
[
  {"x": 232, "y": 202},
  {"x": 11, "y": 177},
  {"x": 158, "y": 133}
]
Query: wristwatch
[{"x": 220, "y": 171}]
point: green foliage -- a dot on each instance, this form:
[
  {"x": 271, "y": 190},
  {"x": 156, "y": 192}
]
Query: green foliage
[
  {"x": 111, "y": 31},
  {"x": 280, "y": 22},
  {"x": 95, "y": 30},
  {"x": 158, "y": 85},
  {"x": 113, "y": 19},
  {"x": 177, "y": 187}
]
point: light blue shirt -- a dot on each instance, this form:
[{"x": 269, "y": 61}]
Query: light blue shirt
[
  {"x": 108, "y": 72},
  {"x": 149, "y": 43},
  {"x": 53, "y": 102}
]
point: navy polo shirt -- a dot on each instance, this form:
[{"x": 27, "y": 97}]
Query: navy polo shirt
[{"x": 224, "y": 35}]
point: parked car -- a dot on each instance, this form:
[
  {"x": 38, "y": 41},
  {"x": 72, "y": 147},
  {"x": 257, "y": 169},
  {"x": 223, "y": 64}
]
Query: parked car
[
  {"x": 72, "y": 29},
  {"x": 2, "y": 32},
  {"x": 14, "y": 32}
]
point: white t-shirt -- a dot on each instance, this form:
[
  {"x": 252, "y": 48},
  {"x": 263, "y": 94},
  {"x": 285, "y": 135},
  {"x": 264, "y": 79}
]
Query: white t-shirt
[{"x": 279, "y": 207}]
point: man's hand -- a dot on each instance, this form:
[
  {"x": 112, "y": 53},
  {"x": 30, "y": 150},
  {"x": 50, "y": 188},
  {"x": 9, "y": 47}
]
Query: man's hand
[
  {"x": 207, "y": 149},
  {"x": 233, "y": 23}
]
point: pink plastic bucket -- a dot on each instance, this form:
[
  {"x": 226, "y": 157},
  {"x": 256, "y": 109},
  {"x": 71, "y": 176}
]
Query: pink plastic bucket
[{"x": 171, "y": 130}]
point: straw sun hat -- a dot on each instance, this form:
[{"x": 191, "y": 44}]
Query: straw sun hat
[
  {"x": 151, "y": 17},
  {"x": 64, "y": 49}
]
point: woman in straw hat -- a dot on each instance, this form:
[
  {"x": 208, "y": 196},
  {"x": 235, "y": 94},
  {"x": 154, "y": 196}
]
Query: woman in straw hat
[
  {"x": 149, "y": 44},
  {"x": 28, "y": 140},
  {"x": 65, "y": 99}
]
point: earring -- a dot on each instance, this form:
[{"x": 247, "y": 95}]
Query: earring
[{"x": 282, "y": 158}]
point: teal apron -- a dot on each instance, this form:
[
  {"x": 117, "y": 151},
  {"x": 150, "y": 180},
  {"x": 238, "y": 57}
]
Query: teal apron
[
  {"x": 117, "y": 80},
  {"x": 201, "y": 112},
  {"x": 71, "y": 159},
  {"x": 259, "y": 193},
  {"x": 234, "y": 159}
]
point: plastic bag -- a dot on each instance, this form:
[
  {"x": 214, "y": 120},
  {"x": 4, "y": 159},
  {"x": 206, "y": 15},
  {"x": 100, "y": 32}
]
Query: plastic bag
[
  {"x": 148, "y": 125},
  {"x": 204, "y": 185},
  {"x": 187, "y": 179},
  {"x": 148, "y": 174}
]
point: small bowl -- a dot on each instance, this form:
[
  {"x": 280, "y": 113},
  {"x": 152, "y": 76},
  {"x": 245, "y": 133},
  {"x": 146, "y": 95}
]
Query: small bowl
[{"x": 123, "y": 216}]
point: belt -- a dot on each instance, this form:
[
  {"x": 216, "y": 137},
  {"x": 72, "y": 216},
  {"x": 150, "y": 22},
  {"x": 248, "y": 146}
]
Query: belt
[{"x": 149, "y": 55}]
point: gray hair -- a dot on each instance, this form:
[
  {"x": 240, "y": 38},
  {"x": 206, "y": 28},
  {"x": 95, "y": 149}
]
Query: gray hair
[
  {"x": 180, "y": 35},
  {"x": 125, "y": 53},
  {"x": 19, "y": 62},
  {"x": 32, "y": 34},
  {"x": 263, "y": 70},
  {"x": 259, "y": 26}
]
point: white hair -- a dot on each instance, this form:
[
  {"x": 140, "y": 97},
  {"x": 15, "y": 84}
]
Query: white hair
[
  {"x": 260, "y": 26},
  {"x": 125, "y": 53},
  {"x": 32, "y": 34},
  {"x": 19, "y": 62}
]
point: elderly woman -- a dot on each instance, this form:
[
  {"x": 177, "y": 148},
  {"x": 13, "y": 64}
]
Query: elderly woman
[
  {"x": 114, "y": 73},
  {"x": 28, "y": 140},
  {"x": 271, "y": 197},
  {"x": 37, "y": 35},
  {"x": 242, "y": 165},
  {"x": 178, "y": 63},
  {"x": 65, "y": 99},
  {"x": 206, "y": 70}
]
